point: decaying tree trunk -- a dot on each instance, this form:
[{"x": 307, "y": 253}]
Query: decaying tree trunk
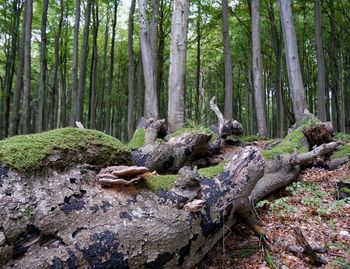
[
  {"x": 60, "y": 219},
  {"x": 226, "y": 127}
]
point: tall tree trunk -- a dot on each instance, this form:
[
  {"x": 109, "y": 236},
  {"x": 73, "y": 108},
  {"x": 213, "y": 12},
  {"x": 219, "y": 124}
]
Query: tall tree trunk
[
  {"x": 277, "y": 47},
  {"x": 148, "y": 41},
  {"x": 83, "y": 59},
  {"x": 108, "y": 124},
  {"x": 131, "y": 71},
  {"x": 198, "y": 67},
  {"x": 292, "y": 59},
  {"x": 73, "y": 115},
  {"x": 55, "y": 87},
  {"x": 227, "y": 61},
  {"x": 27, "y": 66},
  {"x": 321, "y": 75},
  {"x": 94, "y": 69},
  {"x": 259, "y": 92},
  {"x": 178, "y": 49},
  {"x": 140, "y": 88},
  {"x": 10, "y": 65},
  {"x": 43, "y": 67}
]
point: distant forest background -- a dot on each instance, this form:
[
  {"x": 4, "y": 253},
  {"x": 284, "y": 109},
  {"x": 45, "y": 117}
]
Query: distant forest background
[{"x": 66, "y": 61}]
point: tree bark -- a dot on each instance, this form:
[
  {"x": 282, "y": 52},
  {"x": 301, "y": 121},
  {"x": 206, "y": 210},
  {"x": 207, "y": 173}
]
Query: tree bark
[
  {"x": 27, "y": 66},
  {"x": 108, "y": 127},
  {"x": 321, "y": 75},
  {"x": 292, "y": 58},
  {"x": 177, "y": 67},
  {"x": 227, "y": 60},
  {"x": 83, "y": 59},
  {"x": 43, "y": 68},
  {"x": 94, "y": 67},
  {"x": 73, "y": 113},
  {"x": 259, "y": 92},
  {"x": 148, "y": 41},
  {"x": 131, "y": 71}
]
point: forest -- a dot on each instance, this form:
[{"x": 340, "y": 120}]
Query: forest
[
  {"x": 67, "y": 60},
  {"x": 175, "y": 134}
]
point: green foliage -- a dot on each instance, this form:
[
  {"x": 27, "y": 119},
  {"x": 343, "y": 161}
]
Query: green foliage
[
  {"x": 212, "y": 171},
  {"x": 343, "y": 151},
  {"x": 342, "y": 137},
  {"x": 29, "y": 152},
  {"x": 244, "y": 252},
  {"x": 138, "y": 139},
  {"x": 290, "y": 142},
  {"x": 160, "y": 182}
]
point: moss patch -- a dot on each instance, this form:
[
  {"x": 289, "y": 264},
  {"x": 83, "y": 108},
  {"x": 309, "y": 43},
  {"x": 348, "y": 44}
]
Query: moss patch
[
  {"x": 138, "y": 139},
  {"x": 289, "y": 143},
  {"x": 252, "y": 138},
  {"x": 188, "y": 130},
  {"x": 160, "y": 182},
  {"x": 31, "y": 152},
  {"x": 212, "y": 171},
  {"x": 343, "y": 151}
]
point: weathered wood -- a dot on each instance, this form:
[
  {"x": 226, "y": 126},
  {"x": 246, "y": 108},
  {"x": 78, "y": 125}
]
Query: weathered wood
[
  {"x": 225, "y": 127},
  {"x": 170, "y": 156}
]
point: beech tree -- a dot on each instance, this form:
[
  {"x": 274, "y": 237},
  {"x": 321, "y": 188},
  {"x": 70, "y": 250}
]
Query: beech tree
[
  {"x": 178, "y": 49},
  {"x": 292, "y": 59},
  {"x": 259, "y": 92}
]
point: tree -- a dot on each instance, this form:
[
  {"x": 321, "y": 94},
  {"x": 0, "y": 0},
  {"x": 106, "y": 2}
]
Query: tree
[
  {"x": 73, "y": 113},
  {"x": 292, "y": 59},
  {"x": 321, "y": 75},
  {"x": 43, "y": 67},
  {"x": 227, "y": 60},
  {"x": 131, "y": 70},
  {"x": 148, "y": 10},
  {"x": 259, "y": 92},
  {"x": 178, "y": 49},
  {"x": 107, "y": 126},
  {"x": 27, "y": 68},
  {"x": 83, "y": 59}
]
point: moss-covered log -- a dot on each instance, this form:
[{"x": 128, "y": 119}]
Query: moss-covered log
[{"x": 66, "y": 219}]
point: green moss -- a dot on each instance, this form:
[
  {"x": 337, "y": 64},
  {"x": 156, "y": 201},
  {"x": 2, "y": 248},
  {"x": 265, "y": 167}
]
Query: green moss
[
  {"x": 289, "y": 143},
  {"x": 30, "y": 152},
  {"x": 160, "y": 182},
  {"x": 212, "y": 171},
  {"x": 138, "y": 139},
  {"x": 187, "y": 130},
  {"x": 343, "y": 151}
]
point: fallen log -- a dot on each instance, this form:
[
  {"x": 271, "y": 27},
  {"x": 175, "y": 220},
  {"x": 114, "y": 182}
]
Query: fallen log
[{"x": 65, "y": 218}]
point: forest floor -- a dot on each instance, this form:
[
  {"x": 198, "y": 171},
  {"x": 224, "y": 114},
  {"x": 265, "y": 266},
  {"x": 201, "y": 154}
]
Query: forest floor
[{"x": 311, "y": 204}]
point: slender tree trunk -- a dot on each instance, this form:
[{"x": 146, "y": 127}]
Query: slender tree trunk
[
  {"x": 131, "y": 71},
  {"x": 43, "y": 67},
  {"x": 94, "y": 67},
  {"x": 108, "y": 126},
  {"x": 277, "y": 47},
  {"x": 27, "y": 66},
  {"x": 259, "y": 93},
  {"x": 55, "y": 87},
  {"x": 73, "y": 115},
  {"x": 227, "y": 61},
  {"x": 292, "y": 59},
  {"x": 177, "y": 69},
  {"x": 321, "y": 75},
  {"x": 102, "y": 98},
  {"x": 140, "y": 88},
  {"x": 198, "y": 67},
  {"x": 83, "y": 59},
  {"x": 10, "y": 65},
  {"x": 148, "y": 38}
]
